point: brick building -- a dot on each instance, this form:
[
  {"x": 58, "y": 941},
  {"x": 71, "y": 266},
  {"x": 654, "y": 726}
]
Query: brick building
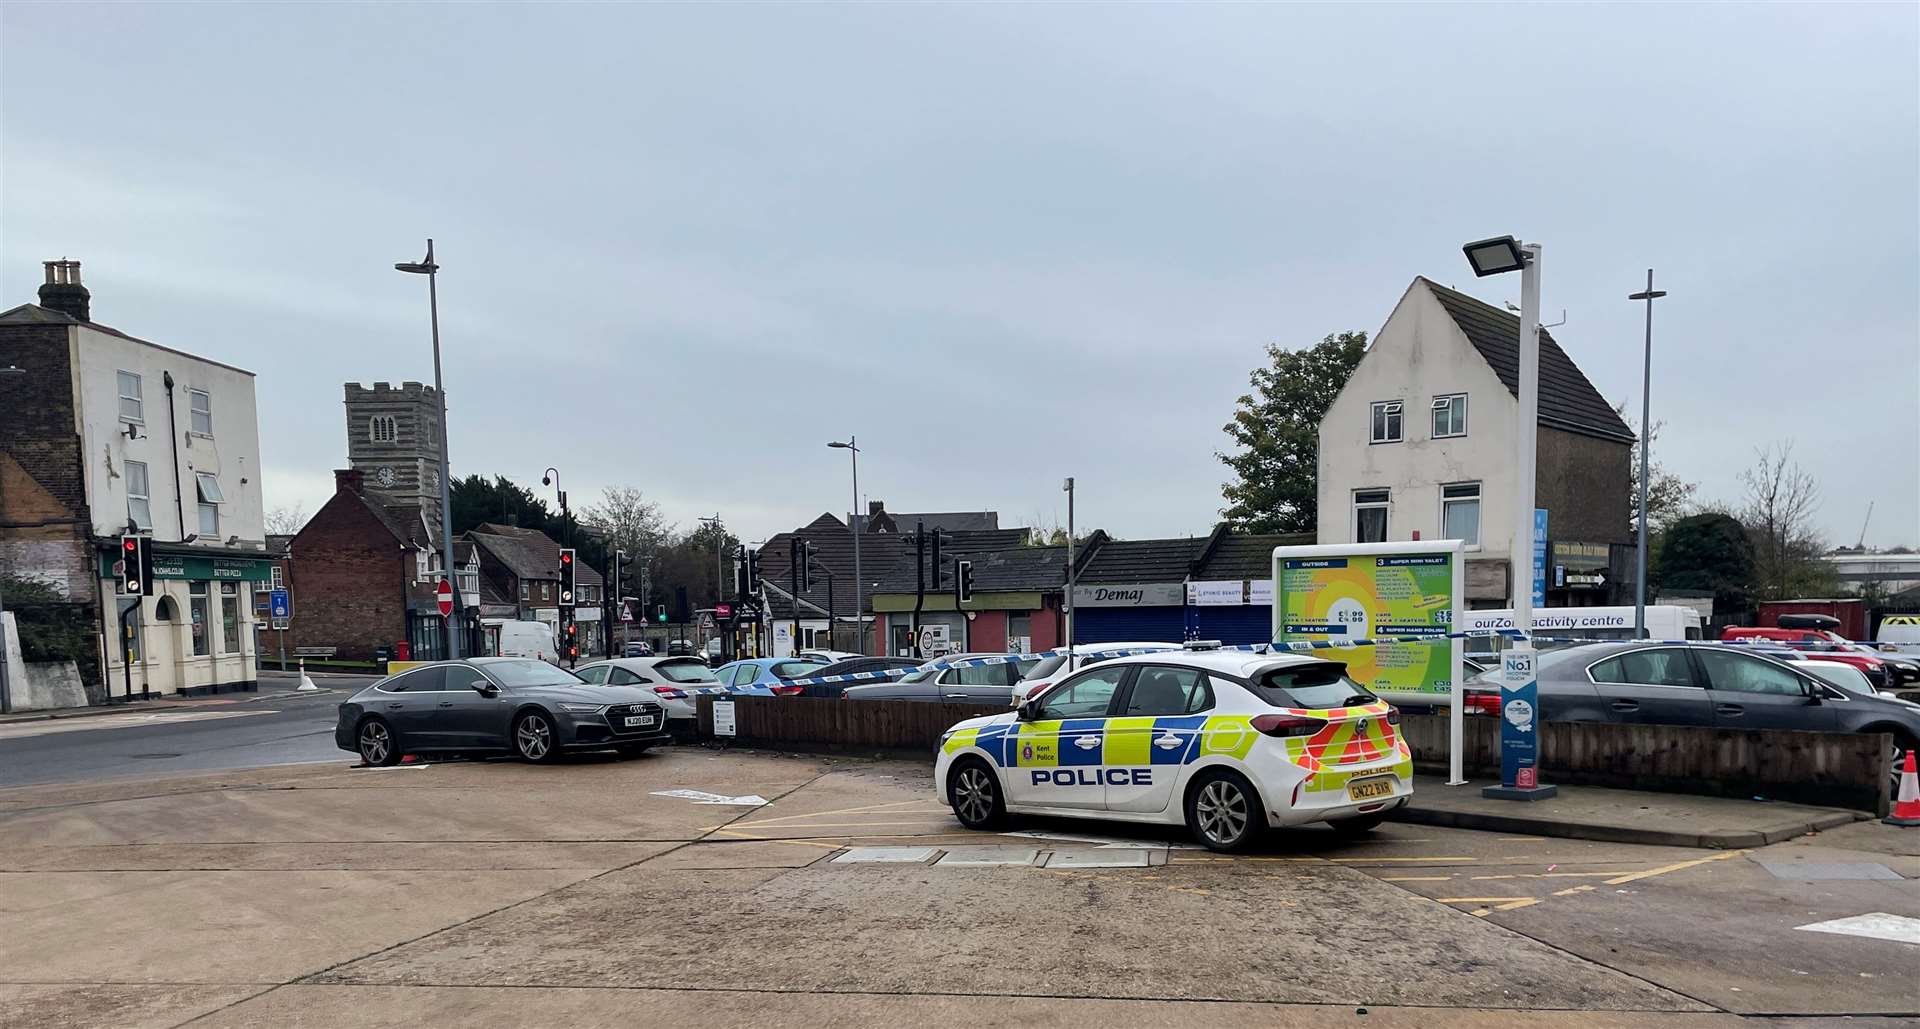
[
  {"x": 362, "y": 578},
  {"x": 522, "y": 567}
]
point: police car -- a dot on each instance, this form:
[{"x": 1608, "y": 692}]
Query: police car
[{"x": 1226, "y": 742}]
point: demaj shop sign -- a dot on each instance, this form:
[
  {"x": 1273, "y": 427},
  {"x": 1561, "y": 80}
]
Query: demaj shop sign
[{"x": 1151, "y": 594}]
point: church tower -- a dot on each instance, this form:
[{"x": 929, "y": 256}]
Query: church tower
[{"x": 393, "y": 440}]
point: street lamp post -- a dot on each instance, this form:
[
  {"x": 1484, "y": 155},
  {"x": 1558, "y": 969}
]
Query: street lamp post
[
  {"x": 1646, "y": 444},
  {"x": 1068, "y": 487},
  {"x": 1519, "y": 746},
  {"x": 853, "y": 522},
  {"x": 458, "y": 615}
]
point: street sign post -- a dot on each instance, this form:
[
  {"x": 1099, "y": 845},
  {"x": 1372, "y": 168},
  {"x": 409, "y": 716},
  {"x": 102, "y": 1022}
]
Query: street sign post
[
  {"x": 445, "y": 593},
  {"x": 280, "y": 604}
]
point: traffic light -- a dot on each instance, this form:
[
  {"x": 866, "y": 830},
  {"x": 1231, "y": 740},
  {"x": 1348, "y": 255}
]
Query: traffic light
[
  {"x": 573, "y": 637},
  {"x": 566, "y": 577},
  {"x": 136, "y": 566},
  {"x": 962, "y": 581},
  {"x": 750, "y": 573},
  {"x": 938, "y": 568},
  {"x": 806, "y": 566},
  {"x": 685, "y": 613},
  {"x": 660, "y": 613}
]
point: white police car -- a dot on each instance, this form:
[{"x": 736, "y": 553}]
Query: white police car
[{"x": 1228, "y": 742}]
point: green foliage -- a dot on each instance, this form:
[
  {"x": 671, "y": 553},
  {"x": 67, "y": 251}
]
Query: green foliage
[
  {"x": 52, "y": 628},
  {"x": 1709, "y": 553},
  {"x": 1276, "y": 429}
]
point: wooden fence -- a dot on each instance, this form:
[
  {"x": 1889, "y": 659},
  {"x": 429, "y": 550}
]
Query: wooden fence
[
  {"x": 903, "y": 727},
  {"x": 1831, "y": 769}
]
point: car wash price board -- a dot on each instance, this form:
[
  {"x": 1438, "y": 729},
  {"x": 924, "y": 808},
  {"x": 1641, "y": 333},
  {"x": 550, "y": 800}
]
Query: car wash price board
[{"x": 1362, "y": 596}]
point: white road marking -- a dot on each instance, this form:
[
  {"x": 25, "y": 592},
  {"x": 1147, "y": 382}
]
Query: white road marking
[
  {"x": 701, "y": 797},
  {"x": 1875, "y": 925},
  {"x": 127, "y": 721},
  {"x": 1102, "y": 842}
]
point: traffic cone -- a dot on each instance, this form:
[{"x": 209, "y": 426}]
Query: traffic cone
[{"x": 1906, "y": 806}]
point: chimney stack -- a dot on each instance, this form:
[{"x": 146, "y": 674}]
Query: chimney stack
[
  {"x": 63, "y": 292},
  {"x": 349, "y": 480}
]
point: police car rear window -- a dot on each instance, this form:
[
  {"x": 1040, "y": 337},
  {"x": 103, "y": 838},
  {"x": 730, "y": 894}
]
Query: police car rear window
[{"x": 1316, "y": 686}]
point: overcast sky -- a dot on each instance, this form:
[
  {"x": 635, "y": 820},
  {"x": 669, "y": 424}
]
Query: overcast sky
[{"x": 684, "y": 247}]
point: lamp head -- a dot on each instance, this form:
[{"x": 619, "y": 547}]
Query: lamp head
[{"x": 1495, "y": 256}]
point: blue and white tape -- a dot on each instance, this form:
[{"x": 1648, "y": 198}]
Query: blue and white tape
[{"x": 1292, "y": 646}]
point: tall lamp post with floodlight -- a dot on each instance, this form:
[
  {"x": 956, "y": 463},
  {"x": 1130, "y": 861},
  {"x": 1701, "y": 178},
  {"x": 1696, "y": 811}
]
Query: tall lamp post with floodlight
[
  {"x": 1646, "y": 444},
  {"x": 853, "y": 522},
  {"x": 6, "y": 691},
  {"x": 1519, "y": 737},
  {"x": 457, "y": 618}
]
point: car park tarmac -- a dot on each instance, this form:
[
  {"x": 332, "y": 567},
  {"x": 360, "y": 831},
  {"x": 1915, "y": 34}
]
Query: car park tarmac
[{"x": 495, "y": 893}]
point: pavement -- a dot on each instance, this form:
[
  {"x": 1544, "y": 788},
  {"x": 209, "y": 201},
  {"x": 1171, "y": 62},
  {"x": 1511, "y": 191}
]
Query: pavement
[
  {"x": 144, "y": 740},
  {"x": 819, "y": 892},
  {"x": 1622, "y": 816}
]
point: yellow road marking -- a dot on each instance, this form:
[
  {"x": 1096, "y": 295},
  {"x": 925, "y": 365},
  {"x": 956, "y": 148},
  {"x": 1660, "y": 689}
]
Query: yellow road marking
[
  {"x": 1663, "y": 870},
  {"x": 1547, "y": 875},
  {"x": 1576, "y": 889},
  {"x": 1483, "y": 900},
  {"x": 1520, "y": 839},
  {"x": 1191, "y": 889},
  {"x": 1415, "y": 878},
  {"x": 749, "y": 837},
  {"x": 845, "y": 825}
]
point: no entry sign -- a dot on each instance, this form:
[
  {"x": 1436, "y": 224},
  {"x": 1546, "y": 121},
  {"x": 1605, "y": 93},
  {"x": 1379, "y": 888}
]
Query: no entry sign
[{"x": 446, "y": 599}]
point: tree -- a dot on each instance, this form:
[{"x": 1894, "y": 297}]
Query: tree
[
  {"x": 283, "y": 521},
  {"x": 1669, "y": 497},
  {"x": 1709, "y": 553},
  {"x": 627, "y": 521},
  {"x": 1276, "y": 429},
  {"x": 1781, "y": 498},
  {"x": 476, "y": 500}
]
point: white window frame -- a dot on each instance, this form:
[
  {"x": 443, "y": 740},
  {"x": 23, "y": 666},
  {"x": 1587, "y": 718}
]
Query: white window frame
[
  {"x": 1384, "y": 505},
  {"x": 195, "y": 414},
  {"x": 142, "y": 516},
  {"x": 209, "y": 521},
  {"x": 1380, "y": 414},
  {"x": 1477, "y": 500},
  {"x": 1445, "y": 403},
  {"x": 276, "y": 577},
  {"x": 139, "y": 415}
]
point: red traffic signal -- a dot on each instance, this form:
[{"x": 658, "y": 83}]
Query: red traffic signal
[
  {"x": 567, "y": 587},
  {"x": 135, "y": 567}
]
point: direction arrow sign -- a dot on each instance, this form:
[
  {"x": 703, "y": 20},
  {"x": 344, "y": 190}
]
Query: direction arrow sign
[
  {"x": 445, "y": 593},
  {"x": 279, "y": 604}
]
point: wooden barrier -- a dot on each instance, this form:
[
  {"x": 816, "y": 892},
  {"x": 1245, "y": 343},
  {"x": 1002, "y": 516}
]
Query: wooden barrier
[
  {"x": 1829, "y": 769},
  {"x": 903, "y": 727},
  {"x": 1852, "y": 770}
]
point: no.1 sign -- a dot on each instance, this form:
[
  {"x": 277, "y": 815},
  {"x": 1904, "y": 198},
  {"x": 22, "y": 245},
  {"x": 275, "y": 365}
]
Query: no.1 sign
[{"x": 445, "y": 593}]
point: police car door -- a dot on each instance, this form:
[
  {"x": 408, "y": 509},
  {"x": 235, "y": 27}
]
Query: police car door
[
  {"x": 1055, "y": 758},
  {"x": 1152, "y": 734}
]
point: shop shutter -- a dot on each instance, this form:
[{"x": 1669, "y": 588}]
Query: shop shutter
[
  {"x": 1234, "y": 625},
  {"x": 1128, "y": 624}
]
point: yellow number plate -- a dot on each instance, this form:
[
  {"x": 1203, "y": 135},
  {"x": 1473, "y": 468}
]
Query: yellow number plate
[{"x": 1370, "y": 789}]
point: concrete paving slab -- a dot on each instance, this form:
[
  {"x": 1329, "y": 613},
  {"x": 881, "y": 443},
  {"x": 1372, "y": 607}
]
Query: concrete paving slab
[
  {"x": 1622, "y": 816},
  {"x": 971, "y": 857},
  {"x": 396, "y": 1007},
  {"x": 887, "y": 856},
  {"x": 89, "y": 1006},
  {"x": 742, "y": 854},
  {"x": 1100, "y": 859},
  {"x": 215, "y": 927},
  {"x": 444, "y": 856},
  {"x": 905, "y": 929},
  {"x": 1812, "y": 871}
]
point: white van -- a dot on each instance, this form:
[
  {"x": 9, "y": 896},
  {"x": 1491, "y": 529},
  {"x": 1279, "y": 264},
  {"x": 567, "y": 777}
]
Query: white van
[
  {"x": 1664, "y": 622},
  {"x": 1902, "y": 632},
  {"x": 522, "y": 639}
]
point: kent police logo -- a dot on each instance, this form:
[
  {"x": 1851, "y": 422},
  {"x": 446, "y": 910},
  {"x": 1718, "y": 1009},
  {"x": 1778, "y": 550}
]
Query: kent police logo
[{"x": 1026, "y": 752}]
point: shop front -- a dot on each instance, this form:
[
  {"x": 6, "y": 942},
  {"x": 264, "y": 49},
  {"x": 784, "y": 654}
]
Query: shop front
[
  {"x": 1129, "y": 612},
  {"x": 194, "y": 634},
  {"x": 1233, "y": 611}
]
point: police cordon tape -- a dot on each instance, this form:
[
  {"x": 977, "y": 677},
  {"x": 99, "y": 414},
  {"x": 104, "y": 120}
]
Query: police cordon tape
[{"x": 1291, "y": 646}]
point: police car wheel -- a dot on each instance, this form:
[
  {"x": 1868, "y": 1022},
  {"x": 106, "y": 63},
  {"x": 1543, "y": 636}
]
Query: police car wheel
[
  {"x": 1224, "y": 811},
  {"x": 974, "y": 795}
]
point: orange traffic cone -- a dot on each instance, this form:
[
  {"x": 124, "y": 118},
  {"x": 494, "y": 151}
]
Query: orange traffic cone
[{"x": 1906, "y": 806}]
